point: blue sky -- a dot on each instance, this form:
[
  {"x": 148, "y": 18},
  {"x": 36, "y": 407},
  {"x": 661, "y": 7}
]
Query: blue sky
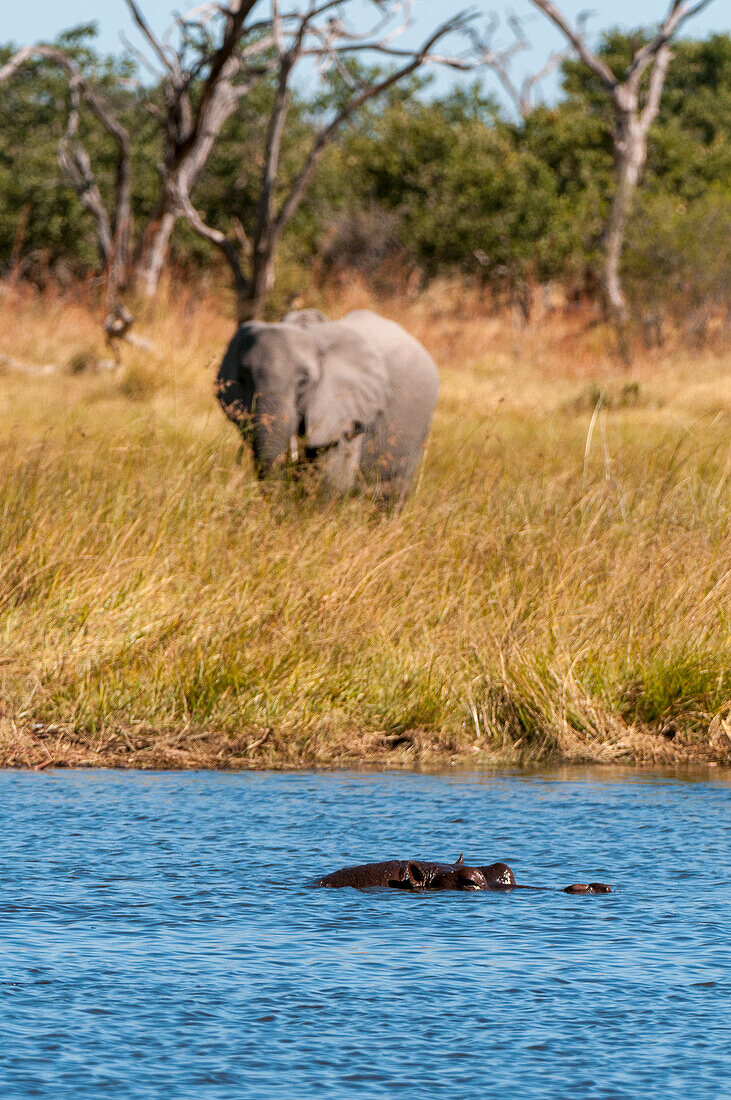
[{"x": 38, "y": 20}]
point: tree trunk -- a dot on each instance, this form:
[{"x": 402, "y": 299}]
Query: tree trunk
[
  {"x": 251, "y": 294},
  {"x": 630, "y": 151},
  {"x": 155, "y": 256}
]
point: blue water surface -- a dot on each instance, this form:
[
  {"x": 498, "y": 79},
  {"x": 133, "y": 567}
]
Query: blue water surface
[{"x": 158, "y": 938}]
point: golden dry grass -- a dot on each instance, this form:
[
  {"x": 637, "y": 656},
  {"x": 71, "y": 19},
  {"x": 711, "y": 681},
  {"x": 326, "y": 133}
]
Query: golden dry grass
[{"x": 549, "y": 591}]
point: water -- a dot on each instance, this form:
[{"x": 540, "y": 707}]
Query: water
[{"x": 158, "y": 940}]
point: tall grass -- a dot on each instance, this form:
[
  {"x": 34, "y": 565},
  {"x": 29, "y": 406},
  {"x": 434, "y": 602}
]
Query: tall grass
[{"x": 558, "y": 585}]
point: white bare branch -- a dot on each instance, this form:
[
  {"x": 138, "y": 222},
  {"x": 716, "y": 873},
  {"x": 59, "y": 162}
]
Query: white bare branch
[
  {"x": 525, "y": 99},
  {"x": 654, "y": 91},
  {"x": 417, "y": 58},
  {"x": 138, "y": 55},
  {"x": 76, "y": 166},
  {"x": 500, "y": 61},
  {"x": 677, "y": 14},
  {"x": 578, "y": 41},
  {"x": 164, "y": 54},
  {"x": 632, "y": 121},
  {"x": 14, "y": 364},
  {"x": 277, "y": 29},
  {"x": 113, "y": 232}
]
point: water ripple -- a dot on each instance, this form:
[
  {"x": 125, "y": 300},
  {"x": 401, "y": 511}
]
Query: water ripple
[{"x": 159, "y": 939}]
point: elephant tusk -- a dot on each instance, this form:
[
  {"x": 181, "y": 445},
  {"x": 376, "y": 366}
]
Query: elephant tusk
[{"x": 354, "y": 432}]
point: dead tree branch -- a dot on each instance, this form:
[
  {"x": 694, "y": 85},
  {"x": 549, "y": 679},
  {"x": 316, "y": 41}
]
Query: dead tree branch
[
  {"x": 113, "y": 230},
  {"x": 275, "y": 45},
  {"x": 225, "y": 70},
  {"x": 500, "y": 60},
  {"x": 635, "y": 109},
  {"x": 76, "y": 166}
]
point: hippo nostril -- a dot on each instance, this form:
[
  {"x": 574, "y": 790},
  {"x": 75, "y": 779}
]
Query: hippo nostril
[{"x": 498, "y": 874}]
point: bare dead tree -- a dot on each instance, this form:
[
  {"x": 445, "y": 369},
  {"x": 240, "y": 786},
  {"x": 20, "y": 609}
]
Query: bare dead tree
[
  {"x": 221, "y": 52},
  {"x": 330, "y": 45},
  {"x": 113, "y": 226},
  {"x": 635, "y": 105},
  {"x": 219, "y": 46},
  {"x": 222, "y": 70},
  {"x": 191, "y": 125}
]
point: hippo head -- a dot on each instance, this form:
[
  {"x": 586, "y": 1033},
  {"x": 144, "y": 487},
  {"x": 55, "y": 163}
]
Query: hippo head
[
  {"x": 498, "y": 874},
  {"x": 588, "y": 888},
  {"x": 456, "y": 876}
]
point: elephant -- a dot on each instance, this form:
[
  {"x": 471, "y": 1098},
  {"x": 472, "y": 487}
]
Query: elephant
[
  {"x": 358, "y": 392},
  {"x": 417, "y": 875}
]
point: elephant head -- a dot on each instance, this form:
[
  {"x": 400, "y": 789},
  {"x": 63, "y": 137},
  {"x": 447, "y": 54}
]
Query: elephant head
[
  {"x": 304, "y": 317},
  {"x": 323, "y": 382}
]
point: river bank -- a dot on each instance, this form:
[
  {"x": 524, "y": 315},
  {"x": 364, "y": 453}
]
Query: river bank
[
  {"x": 41, "y": 747},
  {"x": 556, "y": 589}
]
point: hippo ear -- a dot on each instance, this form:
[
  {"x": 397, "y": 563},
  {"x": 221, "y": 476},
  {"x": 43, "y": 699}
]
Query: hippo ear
[
  {"x": 416, "y": 874},
  {"x": 460, "y": 858},
  {"x": 352, "y": 389}
]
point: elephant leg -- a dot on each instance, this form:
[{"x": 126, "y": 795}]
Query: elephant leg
[{"x": 390, "y": 464}]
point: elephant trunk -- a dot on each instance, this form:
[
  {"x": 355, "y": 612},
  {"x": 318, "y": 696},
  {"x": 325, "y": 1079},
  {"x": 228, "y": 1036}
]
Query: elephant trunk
[{"x": 275, "y": 422}]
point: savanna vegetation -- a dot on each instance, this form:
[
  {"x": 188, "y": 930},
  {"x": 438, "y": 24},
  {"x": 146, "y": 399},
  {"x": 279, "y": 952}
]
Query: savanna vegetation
[
  {"x": 559, "y": 584},
  {"x": 446, "y": 184}
]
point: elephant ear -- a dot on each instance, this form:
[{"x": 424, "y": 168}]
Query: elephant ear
[{"x": 352, "y": 389}]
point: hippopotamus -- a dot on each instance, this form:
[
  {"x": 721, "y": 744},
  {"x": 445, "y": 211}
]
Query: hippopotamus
[
  {"x": 408, "y": 874},
  {"x": 416, "y": 874}
]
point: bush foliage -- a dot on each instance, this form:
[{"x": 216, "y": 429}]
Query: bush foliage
[{"x": 440, "y": 183}]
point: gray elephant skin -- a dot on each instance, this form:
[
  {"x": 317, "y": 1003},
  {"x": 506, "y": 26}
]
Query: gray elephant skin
[
  {"x": 355, "y": 395},
  {"x": 419, "y": 875}
]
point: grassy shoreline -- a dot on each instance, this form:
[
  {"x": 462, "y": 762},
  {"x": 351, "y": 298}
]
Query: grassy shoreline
[
  {"x": 40, "y": 749},
  {"x": 558, "y": 588}
]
